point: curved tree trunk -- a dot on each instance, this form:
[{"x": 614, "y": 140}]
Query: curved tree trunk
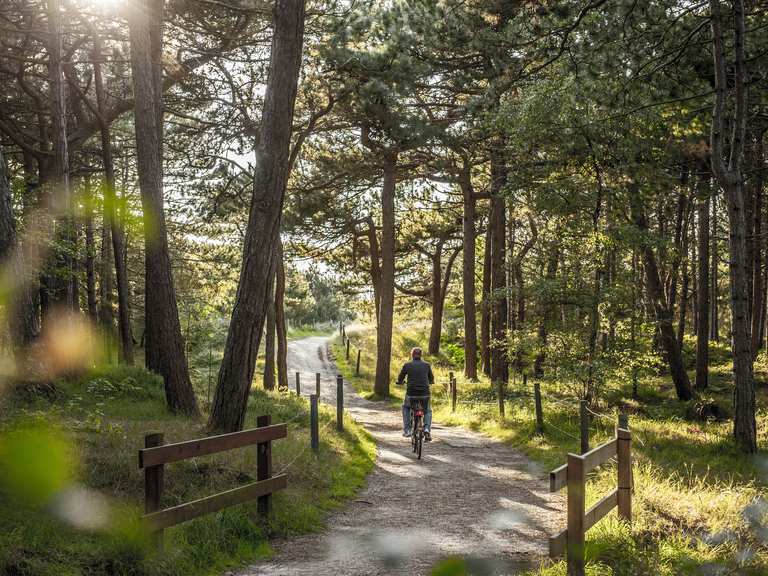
[
  {"x": 262, "y": 235},
  {"x": 164, "y": 343},
  {"x": 387, "y": 288}
]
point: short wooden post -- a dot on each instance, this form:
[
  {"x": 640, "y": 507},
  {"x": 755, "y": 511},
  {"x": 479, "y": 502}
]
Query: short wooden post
[
  {"x": 264, "y": 465},
  {"x": 453, "y": 395},
  {"x": 339, "y": 402},
  {"x": 584, "y": 422},
  {"x": 298, "y": 383},
  {"x": 348, "y": 342},
  {"x": 357, "y": 364},
  {"x": 623, "y": 422},
  {"x": 623, "y": 450},
  {"x": 317, "y": 384},
  {"x": 500, "y": 394},
  {"x": 537, "y": 405},
  {"x": 450, "y": 381},
  {"x": 314, "y": 424},
  {"x": 576, "y": 509},
  {"x": 153, "y": 484}
]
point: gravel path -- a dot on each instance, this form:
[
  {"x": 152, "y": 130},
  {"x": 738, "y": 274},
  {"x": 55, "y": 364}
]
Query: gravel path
[{"x": 469, "y": 496}]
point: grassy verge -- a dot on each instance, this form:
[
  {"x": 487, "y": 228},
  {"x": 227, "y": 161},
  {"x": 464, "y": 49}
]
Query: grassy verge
[
  {"x": 71, "y": 491},
  {"x": 699, "y": 505}
]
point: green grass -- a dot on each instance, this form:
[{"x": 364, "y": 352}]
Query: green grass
[
  {"x": 88, "y": 433},
  {"x": 297, "y": 332},
  {"x": 697, "y": 500}
]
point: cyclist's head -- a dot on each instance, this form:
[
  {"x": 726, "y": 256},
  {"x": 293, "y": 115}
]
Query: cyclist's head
[{"x": 416, "y": 353}]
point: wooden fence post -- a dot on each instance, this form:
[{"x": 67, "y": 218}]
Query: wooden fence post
[
  {"x": 314, "y": 424},
  {"x": 357, "y": 365},
  {"x": 298, "y": 383},
  {"x": 317, "y": 384},
  {"x": 343, "y": 333},
  {"x": 576, "y": 509},
  {"x": 453, "y": 394},
  {"x": 450, "y": 381},
  {"x": 537, "y": 405},
  {"x": 500, "y": 393},
  {"x": 624, "y": 496},
  {"x": 153, "y": 484},
  {"x": 584, "y": 422},
  {"x": 348, "y": 341},
  {"x": 264, "y": 464},
  {"x": 340, "y": 402}
]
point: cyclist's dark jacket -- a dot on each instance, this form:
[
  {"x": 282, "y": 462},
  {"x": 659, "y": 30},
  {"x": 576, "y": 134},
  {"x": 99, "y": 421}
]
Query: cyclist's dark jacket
[{"x": 419, "y": 375}]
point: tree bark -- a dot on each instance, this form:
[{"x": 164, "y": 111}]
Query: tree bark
[
  {"x": 757, "y": 246},
  {"x": 282, "y": 330},
  {"x": 439, "y": 292},
  {"x": 468, "y": 276},
  {"x": 730, "y": 177},
  {"x": 702, "y": 314},
  {"x": 111, "y": 216},
  {"x": 269, "y": 184},
  {"x": 714, "y": 334},
  {"x": 547, "y": 312},
  {"x": 485, "y": 319},
  {"x": 269, "y": 335},
  {"x": 387, "y": 290},
  {"x": 164, "y": 343},
  {"x": 90, "y": 254},
  {"x": 499, "y": 365},
  {"x": 655, "y": 291}
]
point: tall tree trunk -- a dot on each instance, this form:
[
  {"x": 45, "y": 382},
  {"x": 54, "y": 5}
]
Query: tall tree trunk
[
  {"x": 485, "y": 319},
  {"x": 164, "y": 344},
  {"x": 61, "y": 201},
  {"x": 375, "y": 266},
  {"x": 468, "y": 276},
  {"x": 757, "y": 246},
  {"x": 727, "y": 167},
  {"x": 90, "y": 254},
  {"x": 269, "y": 335},
  {"x": 387, "y": 290},
  {"x": 282, "y": 330},
  {"x": 714, "y": 315},
  {"x": 702, "y": 315},
  {"x": 548, "y": 310},
  {"x": 655, "y": 291},
  {"x": 499, "y": 366},
  {"x": 111, "y": 215},
  {"x": 262, "y": 235},
  {"x": 439, "y": 292}
]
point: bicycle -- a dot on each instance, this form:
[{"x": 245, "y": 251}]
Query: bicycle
[{"x": 417, "y": 423}]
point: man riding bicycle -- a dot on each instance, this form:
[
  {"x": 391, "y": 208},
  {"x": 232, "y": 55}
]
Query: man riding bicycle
[{"x": 420, "y": 378}]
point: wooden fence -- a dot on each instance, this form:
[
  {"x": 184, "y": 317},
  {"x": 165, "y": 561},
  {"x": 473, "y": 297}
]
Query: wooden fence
[
  {"x": 156, "y": 454},
  {"x": 573, "y": 475}
]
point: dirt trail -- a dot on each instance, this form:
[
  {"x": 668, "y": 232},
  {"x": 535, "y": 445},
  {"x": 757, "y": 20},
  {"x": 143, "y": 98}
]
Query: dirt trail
[{"x": 469, "y": 496}]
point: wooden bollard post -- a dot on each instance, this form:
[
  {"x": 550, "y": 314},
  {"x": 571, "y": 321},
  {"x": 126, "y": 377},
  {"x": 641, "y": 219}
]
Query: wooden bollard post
[
  {"x": 264, "y": 465},
  {"x": 298, "y": 383},
  {"x": 450, "y": 381},
  {"x": 340, "y": 402},
  {"x": 623, "y": 422},
  {"x": 357, "y": 364},
  {"x": 584, "y": 422},
  {"x": 500, "y": 393},
  {"x": 314, "y": 424},
  {"x": 537, "y": 405},
  {"x": 317, "y": 384},
  {"x": 348, "y": 343},
  {"x": 153, "y": 485},
  {"x": 453, "y": 395},
  {"x": 576, "y": 509},
  {"x": 624, "y": 454}
]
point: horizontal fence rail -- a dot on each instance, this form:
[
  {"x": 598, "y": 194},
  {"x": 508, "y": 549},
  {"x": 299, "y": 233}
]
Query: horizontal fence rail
[{"x": 155, "y": 455}]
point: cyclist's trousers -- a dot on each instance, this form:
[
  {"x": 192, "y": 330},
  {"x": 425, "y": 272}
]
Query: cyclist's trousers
[{"x": 407, "y": 415}]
